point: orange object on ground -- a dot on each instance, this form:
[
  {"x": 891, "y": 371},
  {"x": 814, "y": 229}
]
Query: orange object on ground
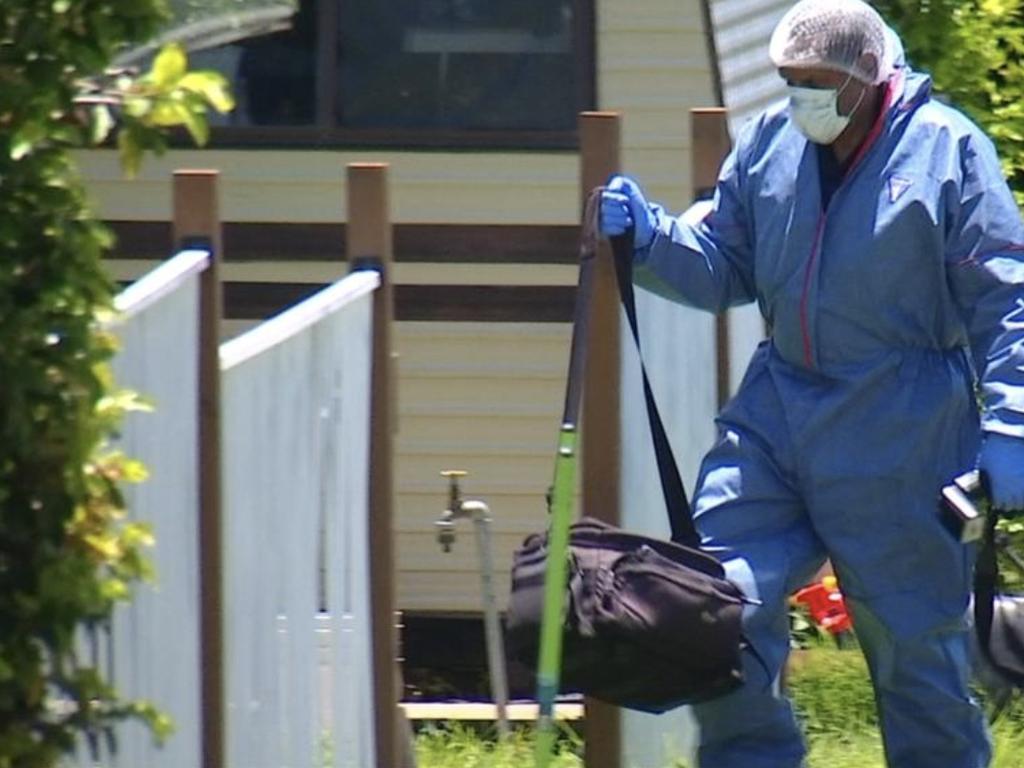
[{"x": 825, "y": 603}]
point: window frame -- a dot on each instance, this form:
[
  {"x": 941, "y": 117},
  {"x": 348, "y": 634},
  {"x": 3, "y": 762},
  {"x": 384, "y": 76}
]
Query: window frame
[{"x": 323, "y": 134}]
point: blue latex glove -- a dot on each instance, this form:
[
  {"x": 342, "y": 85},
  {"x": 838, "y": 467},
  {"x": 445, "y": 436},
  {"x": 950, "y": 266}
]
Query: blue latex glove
[
  {"x": 623, "y": 206},
  {"x": 1002, "y": 459}
]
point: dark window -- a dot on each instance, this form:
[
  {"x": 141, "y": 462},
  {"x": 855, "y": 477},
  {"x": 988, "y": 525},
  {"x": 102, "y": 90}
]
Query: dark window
[{"x": 413, "y": 72}]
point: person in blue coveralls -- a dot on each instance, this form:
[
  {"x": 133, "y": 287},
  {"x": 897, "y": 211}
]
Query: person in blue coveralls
[{"x": 875, "y": 230}]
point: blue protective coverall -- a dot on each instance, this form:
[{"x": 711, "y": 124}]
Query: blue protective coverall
[{"x": 882, "y": 303}]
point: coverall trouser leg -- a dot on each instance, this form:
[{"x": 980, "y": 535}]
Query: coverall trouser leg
[
  {"x": 927, "y": 716},
  {"x": 749, "y": 515}
]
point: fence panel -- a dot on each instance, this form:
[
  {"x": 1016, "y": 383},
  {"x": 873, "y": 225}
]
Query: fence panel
[
  {"x": 152, "y": 649},
  {"x": 347, "y": 555},
  {"x": 296, "y": 434}
]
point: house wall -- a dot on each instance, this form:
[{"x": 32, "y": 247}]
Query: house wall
[{"x": 481, "y": 396}]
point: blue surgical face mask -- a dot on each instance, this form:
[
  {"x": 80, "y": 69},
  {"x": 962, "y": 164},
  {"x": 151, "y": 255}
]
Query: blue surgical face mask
[{"x": 816, "y": 111}]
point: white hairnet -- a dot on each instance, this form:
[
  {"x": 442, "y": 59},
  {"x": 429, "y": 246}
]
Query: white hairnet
[
  {"x": 899, "y": 57},
  {"x": 835, "y": 34}
]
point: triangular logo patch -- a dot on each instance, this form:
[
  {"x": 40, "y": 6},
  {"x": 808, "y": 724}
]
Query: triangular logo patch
[{"x": 897, "y": 186}]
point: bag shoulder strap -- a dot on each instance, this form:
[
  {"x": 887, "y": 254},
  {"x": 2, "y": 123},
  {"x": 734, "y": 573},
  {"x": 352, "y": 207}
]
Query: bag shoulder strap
[
  {"x": 581, "y": 316},
  {"x": 676, "y": 502},
  {"x": 986, "y": 579}
]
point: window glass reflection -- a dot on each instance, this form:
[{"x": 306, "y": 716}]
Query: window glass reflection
[
  {"x": 441, "y": 65},
  {"x": 273, "y": 77},
  {"x": 457, "y": 64}
]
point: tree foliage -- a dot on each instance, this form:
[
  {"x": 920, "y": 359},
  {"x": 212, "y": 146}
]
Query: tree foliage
[
  {"x": 67, "y": 552},
  {"x": 974, "y": 50}
]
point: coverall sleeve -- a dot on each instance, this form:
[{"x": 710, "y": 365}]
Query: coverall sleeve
[
  {"x": 985, "y": 261},
  {"x": 710, "y": 264}
]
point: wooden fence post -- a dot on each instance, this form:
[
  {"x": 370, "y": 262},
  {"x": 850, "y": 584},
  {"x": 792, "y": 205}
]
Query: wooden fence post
[
  {"x": 197, "y": 223},
  {"x": 369, "y": 245},
  {"x": 602, "y": 432},
  {"x": 709, "y": 144}
]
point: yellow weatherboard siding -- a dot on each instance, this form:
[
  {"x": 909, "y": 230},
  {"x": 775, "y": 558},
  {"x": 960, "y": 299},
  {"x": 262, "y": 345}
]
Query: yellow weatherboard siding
[
  {"x": 309, "y": 185},
  {"x": 487, "y": 399},
  {"x": 408, "y": 273},
  {"x": 653, "y": 67}
]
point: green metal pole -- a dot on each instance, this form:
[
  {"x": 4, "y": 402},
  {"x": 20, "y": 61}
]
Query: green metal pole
[
  {"x": 563, "y": 491},
  {"x": 549, "y": 666}
]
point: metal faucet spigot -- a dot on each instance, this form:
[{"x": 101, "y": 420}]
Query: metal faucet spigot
[
  {"x": 446, "y": 523},
  {"x": 445, "y": 531},
  {"x": 454, "y": 492}
]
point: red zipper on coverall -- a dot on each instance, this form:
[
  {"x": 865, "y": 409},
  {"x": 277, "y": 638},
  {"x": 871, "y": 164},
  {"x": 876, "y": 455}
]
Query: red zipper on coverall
[
  {"x": 873, "y": 134},
  {"x": 804, "y": 327}
]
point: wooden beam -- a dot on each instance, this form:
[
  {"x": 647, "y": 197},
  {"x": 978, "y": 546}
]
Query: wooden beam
[
  {"x": 600, "y": 143},
  {"x": 197, "y": 222},
  {"x": 370, "y": 246},
  {"x": 710, "y": 144}
]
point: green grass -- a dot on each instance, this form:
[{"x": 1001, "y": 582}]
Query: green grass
[
  {"x": 459, "y": 747},
  {"x": 830, "y": 689},
  {"x": 1008, "y": 741},
  {"x": 456, "y": 745}
]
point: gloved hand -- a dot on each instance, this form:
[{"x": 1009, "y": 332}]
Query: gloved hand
[
  {"x": 1002, "y": 459},
  {"x": 623, "y": 206}
]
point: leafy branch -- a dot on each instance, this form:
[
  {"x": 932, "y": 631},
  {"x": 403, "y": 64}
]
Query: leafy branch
[
  {"x": 142, "y": 108},
  {"x": 68, "y": 551}
]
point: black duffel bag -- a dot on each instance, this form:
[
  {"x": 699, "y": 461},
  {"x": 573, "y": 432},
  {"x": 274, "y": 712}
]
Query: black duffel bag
[{"x": 649, "y": 624}]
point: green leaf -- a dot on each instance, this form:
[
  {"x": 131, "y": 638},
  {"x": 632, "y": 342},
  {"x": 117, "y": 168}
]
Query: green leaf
[
  {"x": 138, "y": 535},
  {"x": 168, "y": 113},
  {"x": 20, "y": 146},
  {"x": 101, "y": 123},
  {"x": 114, "y": 589},
  {"x": 161, "y": 724},
  {"x": 130, "y": 153},
  {"x": 137, "y": 107},
  {"x": 123, "y": 401},
  {"x": 169, "y": 66},
  {"x": 134, "y": 471},
  {"x": 195, "y": 122},
  {"x": 25, "y": 139},
  {"x": 212, "y": 86}
]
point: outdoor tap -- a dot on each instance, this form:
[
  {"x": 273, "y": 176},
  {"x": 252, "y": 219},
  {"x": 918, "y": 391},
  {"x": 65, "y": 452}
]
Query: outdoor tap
[
  {"x": 480, "y": 514},
  {"x": 454, "y": 492},
  {"x": 445, "y": 524},
  {"x": 445, "y": 531}
]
